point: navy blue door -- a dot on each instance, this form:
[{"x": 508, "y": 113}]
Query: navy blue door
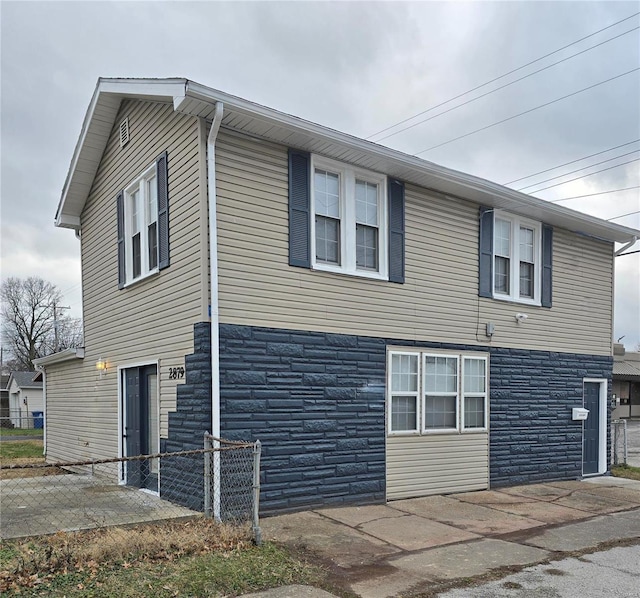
[
  {"x": 591, "y": 429},
  {"x": 141, "y": 423}
]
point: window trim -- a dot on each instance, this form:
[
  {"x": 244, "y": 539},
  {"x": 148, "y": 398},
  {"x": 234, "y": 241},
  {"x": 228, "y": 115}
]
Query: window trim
[
  {"x": 140, "y": 185},
  {"x": 348, "y": 175},
  {"x": 422, "y": 353},
  {"x": 516, "y": 223}
]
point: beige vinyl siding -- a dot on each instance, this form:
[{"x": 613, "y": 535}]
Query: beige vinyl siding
[
  {"x": 149, "y": 321},
  {"x": 439, "y": 300},
  {"x": 436, "y": 463}
]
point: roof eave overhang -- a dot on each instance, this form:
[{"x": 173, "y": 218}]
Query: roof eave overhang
[
  {"x": 61, "y": 356},
  {"x": 198, "y": 100}
]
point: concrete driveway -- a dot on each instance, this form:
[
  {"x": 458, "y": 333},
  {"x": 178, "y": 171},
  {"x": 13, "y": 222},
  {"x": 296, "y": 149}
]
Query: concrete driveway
[
  {"x": 415, "y": 545},
  {"x": 69, "y": 502}
]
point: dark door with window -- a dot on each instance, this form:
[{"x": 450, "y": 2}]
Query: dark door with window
[
  {"x": 140, "y": 426},
  {"x": 591, "y": 429}
]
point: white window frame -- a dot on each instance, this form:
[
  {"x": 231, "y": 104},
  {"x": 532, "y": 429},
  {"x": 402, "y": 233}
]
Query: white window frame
[
  {"x": 140, "y": 185},
  {"x": 348, "y": 175},
  {"x": 422, "y": 354},
  {"x": 514, "y": 259},
  {"x": 416, "y": 394},
  {"x": 423, "y": 359}
]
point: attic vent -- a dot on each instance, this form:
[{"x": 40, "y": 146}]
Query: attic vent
[{"x": 124, "y": 132}]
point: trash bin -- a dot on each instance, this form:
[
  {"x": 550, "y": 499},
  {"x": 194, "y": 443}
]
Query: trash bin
[{"x": 38, "y": 419}]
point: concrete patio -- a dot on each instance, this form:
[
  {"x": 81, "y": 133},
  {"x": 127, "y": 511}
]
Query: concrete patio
[{"x": 380, "y": 551}]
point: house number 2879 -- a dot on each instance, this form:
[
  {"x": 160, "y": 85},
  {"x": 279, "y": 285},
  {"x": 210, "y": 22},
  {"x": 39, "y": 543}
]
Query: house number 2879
[{"x": 176, "y": 373}]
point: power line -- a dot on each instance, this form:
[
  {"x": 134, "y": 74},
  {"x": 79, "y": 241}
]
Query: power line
[
  {"x": 628, "y": 253},
  {"x": 507, "y": 73},
  {"x": 593, "y": 194},
  {"x": 527, "y": 111},
  {"x": 577, "y": 170},
  {"x": 492, "y": 91},
  {"x": 571, "y": 162},
  {"x": 624, "y": 215},
  {"x": 585, "y": 176}
]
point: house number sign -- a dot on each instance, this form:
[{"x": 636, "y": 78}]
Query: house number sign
[{"x": 176, "y": 373}]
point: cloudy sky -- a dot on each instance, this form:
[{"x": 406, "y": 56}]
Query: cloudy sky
[{"x": 357, "y": 67}]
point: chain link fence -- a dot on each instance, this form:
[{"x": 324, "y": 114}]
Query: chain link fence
[
  {"x": 22, "y": 420},
  {"x": 619, "y": 442},
  {"x": 220, "y": 480}
]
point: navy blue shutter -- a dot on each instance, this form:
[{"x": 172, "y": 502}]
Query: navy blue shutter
[
  {"x": 162, "y": 167},
  {"x": 547, "y": 265},
  {"x": 122, "y": 275},
  {"x": 299, "y": 209},
  {"x": 485, "y": 251},
  {"x": 395, "y": 191}
]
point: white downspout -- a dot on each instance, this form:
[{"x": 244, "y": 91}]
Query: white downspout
[
  {"x": 213, "y": 282},
  {"x": 42, "y": 369}
]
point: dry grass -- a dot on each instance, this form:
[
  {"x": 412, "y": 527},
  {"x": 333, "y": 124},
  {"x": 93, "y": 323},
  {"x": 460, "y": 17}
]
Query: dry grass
[
  {"x": 626, "y": 471},
  {"x": 29, "y": 563},
  {"x": 20, "y": 454}
]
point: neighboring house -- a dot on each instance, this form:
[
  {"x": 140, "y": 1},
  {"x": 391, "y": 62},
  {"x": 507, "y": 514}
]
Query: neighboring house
[
  {"x": 387, "y": 327},
  {"x": 626, "y": 382},
  {"x": 5, "y": 422},
  {"x": 26, "y": 404}
]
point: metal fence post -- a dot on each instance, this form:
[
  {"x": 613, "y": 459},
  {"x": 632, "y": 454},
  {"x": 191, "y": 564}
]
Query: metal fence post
[
  {"x": 207, "y": 475},
  {"x": 257, "y": 534},
  {"x": 624, "y": 432}
]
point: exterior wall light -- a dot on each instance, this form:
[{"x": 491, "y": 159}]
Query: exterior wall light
[
  {"x": 520, "y": 318},
  {"x": 101, "y": 365}
]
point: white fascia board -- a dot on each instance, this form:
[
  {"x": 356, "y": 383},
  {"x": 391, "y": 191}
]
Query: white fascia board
[
  {"x": 464, "y": 185},
  {"x": 158, "y": 89},
  {"x": 66, "y": 355}
]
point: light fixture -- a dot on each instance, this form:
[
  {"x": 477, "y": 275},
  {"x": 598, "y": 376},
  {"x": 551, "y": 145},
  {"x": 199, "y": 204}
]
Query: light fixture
[
  {"x": 520, "y": 317},
  {"x": 101, "y": 365}
]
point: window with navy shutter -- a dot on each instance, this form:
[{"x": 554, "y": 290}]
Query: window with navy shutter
[
  {"x": 345, "y": 219},
  {"x": 515, "y": 258},
  {"x": 143, "y": 224}
]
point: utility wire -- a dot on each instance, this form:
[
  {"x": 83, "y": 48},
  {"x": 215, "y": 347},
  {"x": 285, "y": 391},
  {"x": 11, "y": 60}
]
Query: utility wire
[
  {"x": 623, "y": 215},
  {"x": 492, "y": 91},
  {"x": 526, "y": 112},
  {"x": 507, "y": 73},
  {"x": 572, "y": 162},
  {"x": 585, "y": 176},
  {"x": 593, "y": 194},
  {"x": 628, "y": 253},
  {"x": 577, "y": 170}
]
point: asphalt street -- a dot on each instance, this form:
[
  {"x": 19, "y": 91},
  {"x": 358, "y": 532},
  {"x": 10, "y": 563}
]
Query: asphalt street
[{"x": 611, "y": 573}]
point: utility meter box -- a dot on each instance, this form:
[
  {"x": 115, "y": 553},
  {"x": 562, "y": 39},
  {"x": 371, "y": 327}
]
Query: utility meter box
[{"x": 579, "y": 413}]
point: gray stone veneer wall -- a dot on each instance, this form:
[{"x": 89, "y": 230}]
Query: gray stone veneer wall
[
  {"x": 317, "y": 403},
  {"x": 181, "y": 478}
]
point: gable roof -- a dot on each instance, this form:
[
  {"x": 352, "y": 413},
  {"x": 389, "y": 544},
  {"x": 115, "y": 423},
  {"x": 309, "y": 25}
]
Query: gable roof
[
  {"x": 254, "y": 119},
  {"x": 24, "y": 380}
]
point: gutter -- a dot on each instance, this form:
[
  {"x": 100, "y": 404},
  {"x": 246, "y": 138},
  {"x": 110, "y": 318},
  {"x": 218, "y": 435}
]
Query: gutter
[
  {"x": 42, "y": 369},
  {"x": 213, "y": 282},
  {"x": 625, "y": 247}
]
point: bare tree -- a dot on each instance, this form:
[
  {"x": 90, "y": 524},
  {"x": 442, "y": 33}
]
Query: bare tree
[{"x": 32, "y": 323}]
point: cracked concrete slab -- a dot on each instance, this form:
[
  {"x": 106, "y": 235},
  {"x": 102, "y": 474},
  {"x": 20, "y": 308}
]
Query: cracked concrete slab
[
  {"x": 343, "y": 545},
  {"x": 545, "y": 512},
  {"x": 468, "y": 559},
  {"x": 621, "y": 493},
  {"x": 467, "y": 516},
  {"x": 593, "y": 503},
  {"x": 588, "y": 534},
  {"x": 491, "y": 497},
  {"x": 415, "y": 533},
  {"x": 538, "y": 491},
  {"x": 355, "y": 516}
]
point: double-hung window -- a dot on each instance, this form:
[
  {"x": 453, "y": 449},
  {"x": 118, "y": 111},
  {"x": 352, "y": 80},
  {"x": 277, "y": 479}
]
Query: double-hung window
[
  {"x": 141, "y": 226},
  {"x": 434, "y": 392},
  {"x": 348, "y": 223},
  {"x": 517, "y": 262}
]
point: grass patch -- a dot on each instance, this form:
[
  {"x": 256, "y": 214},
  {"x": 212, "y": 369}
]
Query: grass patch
[
  {"x": 20, "y": 432},
  {"x": 194, "y": 558},
  {"x": 27, "y": 449},
  {"x": 626, "y": 471}
]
